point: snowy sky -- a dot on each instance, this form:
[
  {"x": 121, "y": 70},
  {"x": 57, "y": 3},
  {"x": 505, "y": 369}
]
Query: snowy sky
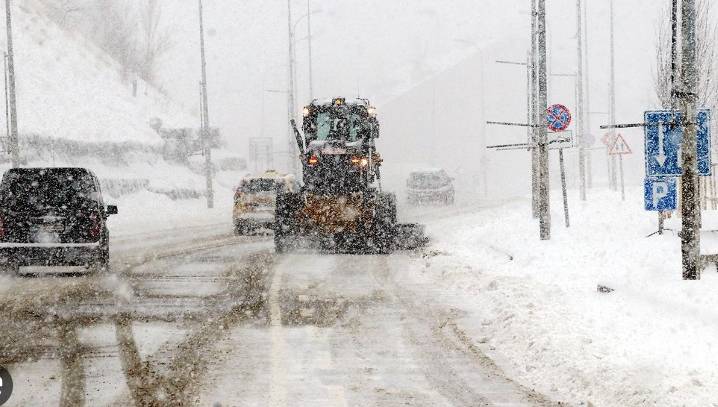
[{"x": 378, "y": 48}]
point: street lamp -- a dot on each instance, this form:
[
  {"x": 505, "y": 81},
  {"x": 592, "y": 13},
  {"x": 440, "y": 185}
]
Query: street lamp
[
  {"x": 206, "y": 144},
  {"x": 308, "y": 16},
  {"x": 13, "y": 143},
  {"x": 291, "y": 97}
]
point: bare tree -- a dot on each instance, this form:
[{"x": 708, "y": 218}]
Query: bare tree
[
  {"x": 155, "y": 41},
  {"x": 129, "y": 31},
  {"x": 707, "y": 39}
]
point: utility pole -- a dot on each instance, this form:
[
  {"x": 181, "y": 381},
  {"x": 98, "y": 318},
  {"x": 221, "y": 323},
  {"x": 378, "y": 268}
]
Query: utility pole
[
  {"x": 7, "y": 103},
  {"x": 581, "y": 125},
  {"x": 13, "y": 142},
  {"x": 309, "y": 46},
  {"x": 587, "y": 114},
  {"x": 690, "y": 210},
  {"x": 206, "y": 142},
  {"x": 535, "y": 116},
  {"x": 612, "y": 101},
  {"x": 292, "y": 148},
  {"x": 544, "y": 203},
  {"x": 674, "y": 53}
]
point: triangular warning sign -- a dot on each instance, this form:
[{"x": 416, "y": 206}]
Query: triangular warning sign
[{"x": 619, "y": 146}]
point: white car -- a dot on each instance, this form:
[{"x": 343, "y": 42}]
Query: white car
[{"x": 255, "y": 200}]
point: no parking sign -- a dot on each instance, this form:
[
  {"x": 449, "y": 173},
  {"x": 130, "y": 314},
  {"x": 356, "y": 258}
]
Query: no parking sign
[{"x": 558, "y": 117}]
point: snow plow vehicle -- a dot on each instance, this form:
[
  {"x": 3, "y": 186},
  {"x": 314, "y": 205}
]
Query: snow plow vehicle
[{"x": 341, "y": 205}]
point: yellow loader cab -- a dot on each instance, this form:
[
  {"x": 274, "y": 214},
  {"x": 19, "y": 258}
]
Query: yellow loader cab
[{"x": 255, "y": 200}]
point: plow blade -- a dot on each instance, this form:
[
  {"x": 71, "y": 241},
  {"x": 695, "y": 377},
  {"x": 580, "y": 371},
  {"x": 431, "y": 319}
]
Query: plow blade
[{"x": 410, "y": 236}]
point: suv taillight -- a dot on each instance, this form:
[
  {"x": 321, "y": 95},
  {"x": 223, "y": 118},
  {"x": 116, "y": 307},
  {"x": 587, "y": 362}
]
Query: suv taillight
[{"x": 95, "y": 225}]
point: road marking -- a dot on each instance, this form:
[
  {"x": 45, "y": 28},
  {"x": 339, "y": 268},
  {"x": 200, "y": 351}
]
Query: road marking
[
  {"x": 278, "y": 384},
  {"x": 337, "y": 394}
]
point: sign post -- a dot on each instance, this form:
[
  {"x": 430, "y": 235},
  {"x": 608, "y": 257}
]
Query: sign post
[
  {"x": 558, "y": 118},
  {"x": 620, "y": 148}
]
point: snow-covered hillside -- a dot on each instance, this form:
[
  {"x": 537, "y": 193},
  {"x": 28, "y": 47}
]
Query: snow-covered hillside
[
  {"x": 76, "y": 108},
  {"x": 68, "y": 88}
]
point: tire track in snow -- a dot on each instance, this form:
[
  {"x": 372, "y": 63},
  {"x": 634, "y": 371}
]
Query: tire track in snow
[
  {"x": 440, "y": 348},
  {"x": 278, "y": 384}
]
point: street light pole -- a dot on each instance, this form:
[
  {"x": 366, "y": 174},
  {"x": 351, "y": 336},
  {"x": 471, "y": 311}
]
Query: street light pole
[
  {"x": 13, "y": 142},
  {"x": 206, "y": 144},
  {"x": 535, "y": 115},
  {"x": 544, "y": 202},
  {"x": 612, "y": 100},
  {"x": 589, "y": 164},
  {"x": 690, "y": 210},
  {"x": 309, "y": 49},
  {"x": 581, "y": 125},
  {"x": 292, "y": 164}
]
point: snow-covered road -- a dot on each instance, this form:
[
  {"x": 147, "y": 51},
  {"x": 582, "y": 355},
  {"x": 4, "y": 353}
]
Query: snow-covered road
[
  {"x": 485, "y": 315},
  {"x": 198, "y": 316},
  {"x": 343, "y": 332}
]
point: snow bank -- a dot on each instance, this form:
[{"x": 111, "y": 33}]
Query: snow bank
[
  {"x": 537, "y": 308},
  {"x": 149, "y": 212}
]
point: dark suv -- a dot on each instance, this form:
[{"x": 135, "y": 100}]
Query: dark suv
[{"x": 53, "y": 217}]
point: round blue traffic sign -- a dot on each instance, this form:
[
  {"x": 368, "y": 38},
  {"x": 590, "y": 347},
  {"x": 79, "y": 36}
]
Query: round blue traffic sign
[{"x": 558, "y": 117}]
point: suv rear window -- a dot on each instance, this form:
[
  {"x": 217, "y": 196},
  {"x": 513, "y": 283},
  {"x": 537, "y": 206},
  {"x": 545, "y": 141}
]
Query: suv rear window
[
  {"x": 29, "y": 189},
  {"x": 258, "y": 185},
  {"x": 427, "y": 180}
]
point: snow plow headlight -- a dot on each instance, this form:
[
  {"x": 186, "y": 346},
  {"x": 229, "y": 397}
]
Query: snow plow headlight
[
  {"x": 306, "y": 112},
  {"x": 360, "y": 161},
  {"x": 371, "y": 111}
]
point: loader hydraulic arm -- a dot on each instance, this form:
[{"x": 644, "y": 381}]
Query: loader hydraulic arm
[{"x": 299, "y": 137}]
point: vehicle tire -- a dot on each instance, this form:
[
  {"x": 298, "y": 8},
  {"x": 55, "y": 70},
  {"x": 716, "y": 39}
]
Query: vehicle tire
[
  {"x": 101, "y": 263},
  {"x": 9, "y": 268},
  {"x": 285, "y": 223},
  {"x": 240, "y": 228},
  {"x": 383, "y": 233}
]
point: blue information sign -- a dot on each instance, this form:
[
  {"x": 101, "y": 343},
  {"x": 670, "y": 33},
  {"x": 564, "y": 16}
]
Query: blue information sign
[
  {"x": 660, "y": 194},
  {"x": 663, "y": 143}
]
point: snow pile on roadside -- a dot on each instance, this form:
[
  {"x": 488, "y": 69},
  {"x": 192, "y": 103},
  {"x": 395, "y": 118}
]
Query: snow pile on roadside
[
  {"x": 148, "y": 212},
  {"x": 536, "y": 304}
]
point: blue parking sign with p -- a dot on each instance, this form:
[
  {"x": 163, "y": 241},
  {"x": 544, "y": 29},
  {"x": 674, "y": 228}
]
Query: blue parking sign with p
[{"x": 660, "y": 193}]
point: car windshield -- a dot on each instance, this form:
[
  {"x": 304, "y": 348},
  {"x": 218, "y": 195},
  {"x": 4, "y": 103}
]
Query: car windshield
[
  {"x": 30, "y": 189},
  {"x": 259, "y": 185},
  {"x": 427, "y": 180},
  {"x": 332, "y": 127}
]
